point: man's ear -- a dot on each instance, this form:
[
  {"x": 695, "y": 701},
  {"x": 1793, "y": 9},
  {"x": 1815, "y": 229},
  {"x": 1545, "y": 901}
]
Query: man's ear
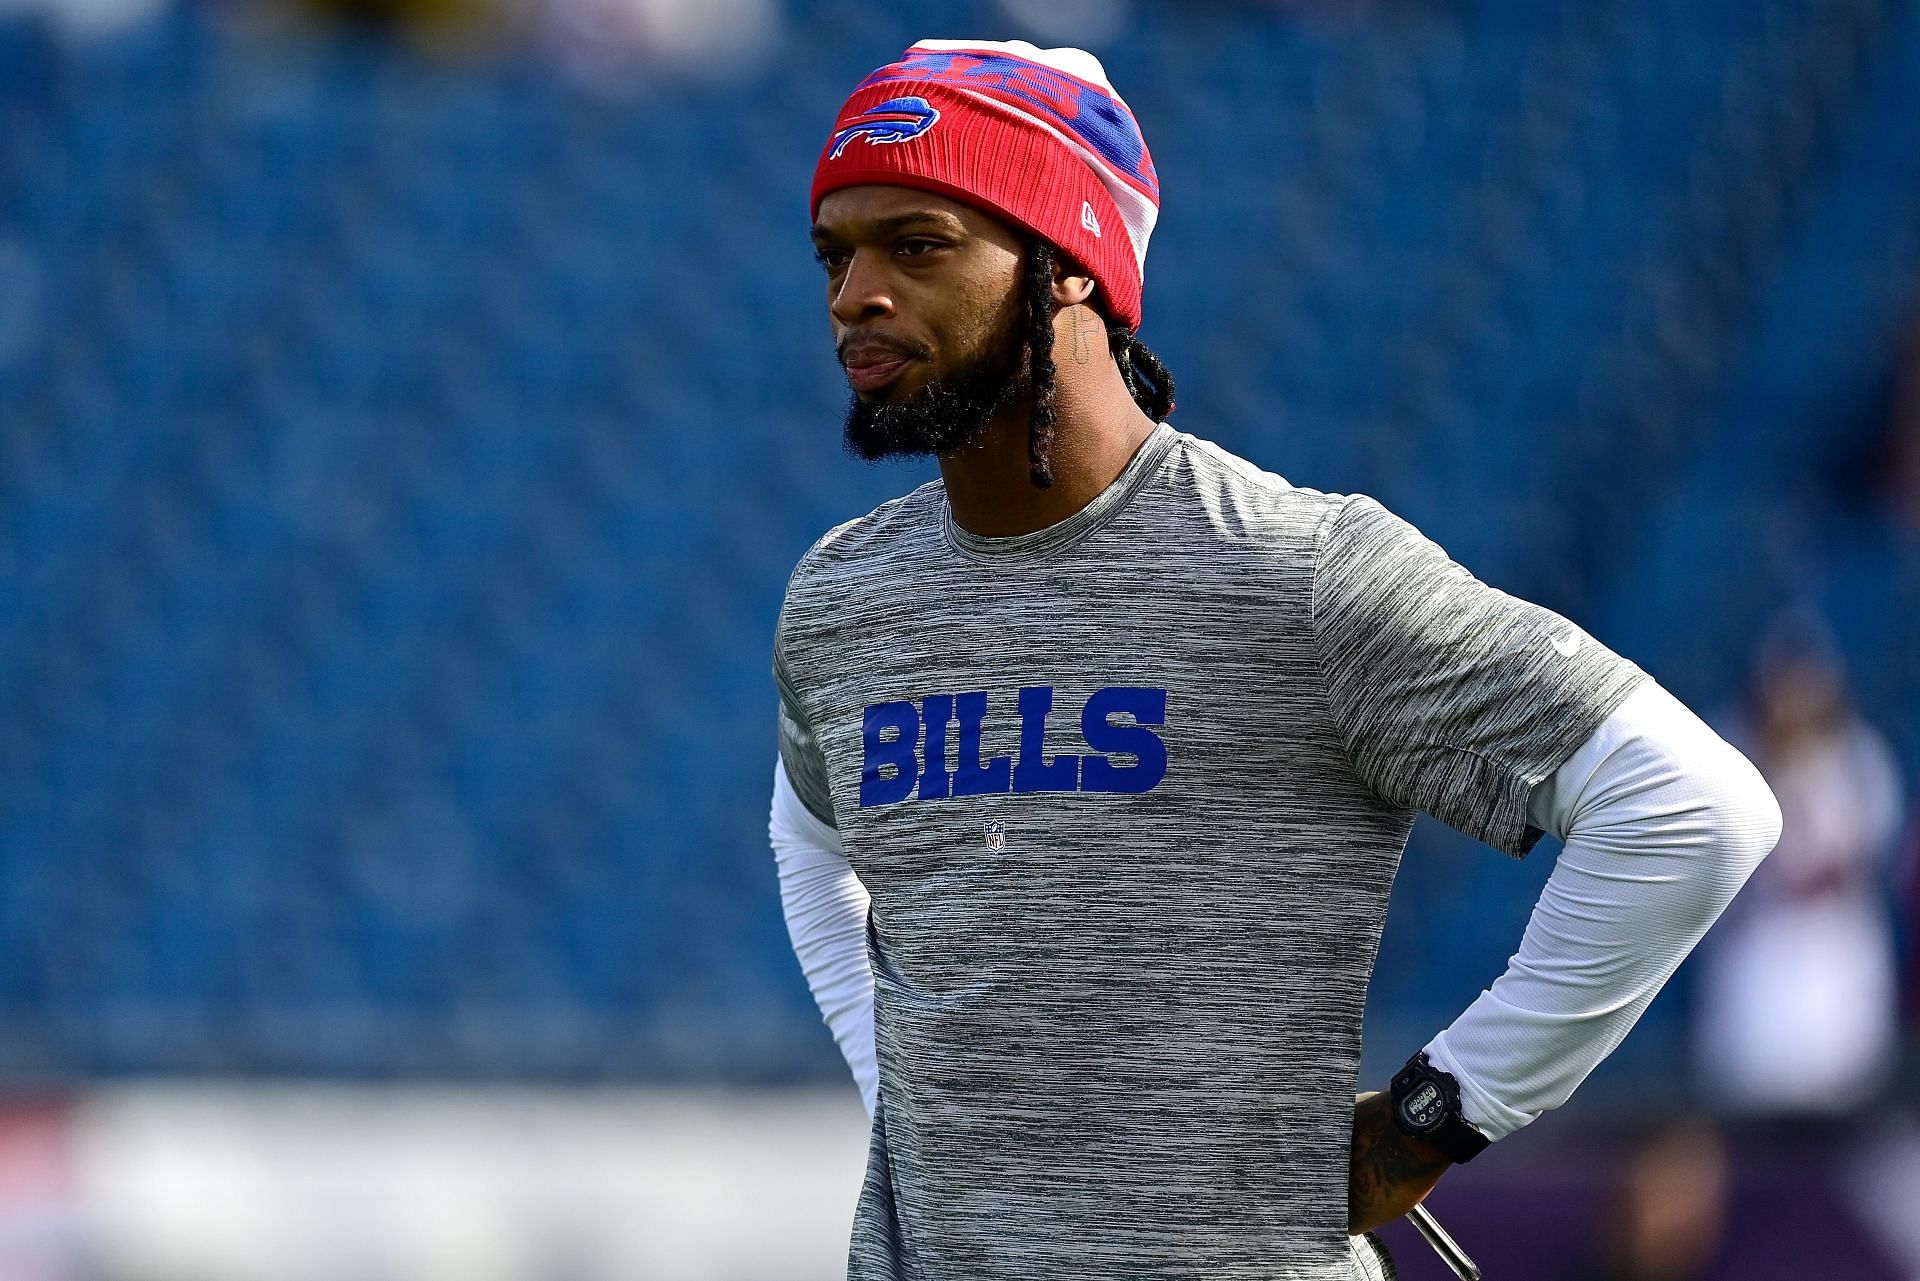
[{"x": 1070, "y": 290}]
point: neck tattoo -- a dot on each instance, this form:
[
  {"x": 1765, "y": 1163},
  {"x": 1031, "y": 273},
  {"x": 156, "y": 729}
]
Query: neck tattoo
[{"x": 1081, "y": 348}]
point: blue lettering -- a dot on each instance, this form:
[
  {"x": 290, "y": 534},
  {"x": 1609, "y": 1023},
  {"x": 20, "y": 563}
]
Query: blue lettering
[
  {"x": 884, "y": 752},
  {"x": 1034, "y": 773},
  {"x": 1120, "y": 724},
  {"x": 973, "y": 778},
  {"x": 935, "y": 783},
  {"x": 1146, "y": 707}
]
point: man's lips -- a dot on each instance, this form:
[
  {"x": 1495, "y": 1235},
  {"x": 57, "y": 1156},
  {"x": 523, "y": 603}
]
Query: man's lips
[{"x": 871, "y": 372}]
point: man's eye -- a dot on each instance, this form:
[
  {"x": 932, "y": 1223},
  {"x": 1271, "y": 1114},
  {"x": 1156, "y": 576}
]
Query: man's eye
[
  {"x": 923, "y": 247},
  {"x": 831, "y": 259}
]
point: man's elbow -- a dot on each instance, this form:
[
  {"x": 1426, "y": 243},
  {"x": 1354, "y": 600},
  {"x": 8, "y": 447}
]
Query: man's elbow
[{"x": 1747, "y": 814}]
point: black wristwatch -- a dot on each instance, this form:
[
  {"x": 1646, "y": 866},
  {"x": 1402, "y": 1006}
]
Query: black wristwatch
[{"x": 1426, "y": 1104}]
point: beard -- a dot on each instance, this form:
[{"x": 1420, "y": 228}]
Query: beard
[{"x": 947, "y": 413}]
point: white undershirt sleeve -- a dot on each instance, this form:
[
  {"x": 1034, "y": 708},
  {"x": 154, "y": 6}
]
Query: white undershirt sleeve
[
  {"x": 826, "y": 911},
  {"x": 1663, "y": 822}
]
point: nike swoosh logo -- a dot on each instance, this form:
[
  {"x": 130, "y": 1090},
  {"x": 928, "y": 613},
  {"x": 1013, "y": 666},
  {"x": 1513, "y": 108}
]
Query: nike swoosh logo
[{"x": 1567, "y": 646}]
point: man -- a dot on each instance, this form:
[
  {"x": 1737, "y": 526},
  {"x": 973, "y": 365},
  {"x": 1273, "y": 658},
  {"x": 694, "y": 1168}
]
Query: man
[{"x": 1098, "y": 755}]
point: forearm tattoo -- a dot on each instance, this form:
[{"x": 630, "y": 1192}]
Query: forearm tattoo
[{"x": 1383, "y": 1164}]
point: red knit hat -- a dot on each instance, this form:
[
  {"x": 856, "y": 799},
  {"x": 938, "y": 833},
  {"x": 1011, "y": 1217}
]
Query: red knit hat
[{"x": 1035, "y": 136}]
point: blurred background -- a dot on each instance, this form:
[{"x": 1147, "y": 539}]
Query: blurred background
[{"x": 410, "y": 411}]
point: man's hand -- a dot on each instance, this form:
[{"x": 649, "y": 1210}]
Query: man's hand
[{"x": 1392, "y": 1172}]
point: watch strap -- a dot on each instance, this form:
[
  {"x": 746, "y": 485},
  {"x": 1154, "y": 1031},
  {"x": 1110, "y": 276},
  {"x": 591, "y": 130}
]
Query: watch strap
[{"x": 1426, "y": 1105}]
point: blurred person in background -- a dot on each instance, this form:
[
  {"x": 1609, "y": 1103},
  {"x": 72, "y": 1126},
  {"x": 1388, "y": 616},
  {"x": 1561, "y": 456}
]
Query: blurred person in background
[
  {"x": 1893, "y": 466},
  {"x": 1798, "y": 991},
  {"x": 1892, "y": 474},
  {"x": 1907, "y": 887},
  {"x": 1667, "y": 1215}
]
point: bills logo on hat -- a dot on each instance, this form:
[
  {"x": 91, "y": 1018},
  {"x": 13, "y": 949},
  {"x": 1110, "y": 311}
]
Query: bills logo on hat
[{"x": 895, "y": 120}]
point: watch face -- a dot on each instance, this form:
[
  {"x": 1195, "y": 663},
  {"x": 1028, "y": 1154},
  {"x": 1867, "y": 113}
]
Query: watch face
[{"x": 1424, "y": 1105}]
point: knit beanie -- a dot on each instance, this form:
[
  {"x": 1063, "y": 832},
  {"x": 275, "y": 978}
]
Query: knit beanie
[{"x": 1037, "y": 137}]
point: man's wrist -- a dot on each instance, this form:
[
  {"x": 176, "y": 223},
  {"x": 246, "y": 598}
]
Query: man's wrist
[
  {"x": 1422, "y": 1149},
  {"x": 1426, "y": 1109}
]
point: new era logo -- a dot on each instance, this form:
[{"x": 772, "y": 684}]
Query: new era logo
[{"x": 1087, "y": 219}]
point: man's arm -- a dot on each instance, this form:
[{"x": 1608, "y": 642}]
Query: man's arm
[
  {"x": 823, "y": 900},
  {"x": 826, "y": 911},
  {"x": 1664, "y": 822}
]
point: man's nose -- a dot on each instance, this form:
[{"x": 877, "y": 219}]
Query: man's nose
[{"x": 865, "y": 291}]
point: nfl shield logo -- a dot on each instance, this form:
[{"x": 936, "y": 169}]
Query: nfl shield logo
[{"x": 996, "y": 836}]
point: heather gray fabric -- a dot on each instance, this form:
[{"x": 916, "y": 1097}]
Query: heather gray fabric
[{"x": 1124, "y": 919}]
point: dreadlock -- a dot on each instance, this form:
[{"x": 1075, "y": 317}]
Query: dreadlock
[
  {"x": 1147, "y": 379},
  {"x": 1146, "y": 376},
  {"x": 1040, "y": 313}
]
